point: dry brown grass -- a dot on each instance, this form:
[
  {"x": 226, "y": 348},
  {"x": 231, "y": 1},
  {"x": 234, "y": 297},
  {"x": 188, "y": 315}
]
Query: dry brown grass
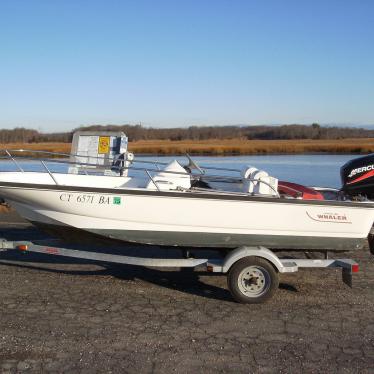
[
  {"x": 244, "y": 147},
  {"x": 49, "y": 147},
  {"x": 226, "y": 147}
]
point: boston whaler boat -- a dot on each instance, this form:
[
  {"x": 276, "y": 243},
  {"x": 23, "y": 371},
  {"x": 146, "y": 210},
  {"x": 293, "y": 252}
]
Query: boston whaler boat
[{"x": 102, "y": 190}]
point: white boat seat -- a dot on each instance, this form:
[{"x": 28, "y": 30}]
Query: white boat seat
[
  {"x": 259, "y": 182},
  {"x": 248, "y": 183},
  {"x": 170, "y": 178}
]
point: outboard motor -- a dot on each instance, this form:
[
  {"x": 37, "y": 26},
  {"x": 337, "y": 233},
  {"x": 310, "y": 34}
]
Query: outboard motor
[
  {"x": 358, "y": 181},
  {"x": 358, "y": 177}
]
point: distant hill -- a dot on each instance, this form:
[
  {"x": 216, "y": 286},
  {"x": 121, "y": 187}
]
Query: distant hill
[{"x": 138, "y": 132}]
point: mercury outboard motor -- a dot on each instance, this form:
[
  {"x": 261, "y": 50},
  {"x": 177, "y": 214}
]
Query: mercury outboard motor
[
  {"x": 358, "y": 177},
  {"x": 358, "y": 183}
]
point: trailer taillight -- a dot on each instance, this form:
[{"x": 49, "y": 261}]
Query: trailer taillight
[{"x": 355, "y": 268}]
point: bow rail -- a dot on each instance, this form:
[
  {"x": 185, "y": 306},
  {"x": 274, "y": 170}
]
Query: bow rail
[{"x": 17, "y": 156}]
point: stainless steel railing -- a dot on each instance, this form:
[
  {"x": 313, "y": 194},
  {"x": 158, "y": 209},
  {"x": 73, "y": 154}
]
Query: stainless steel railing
[{"x": 83, "y": 166}]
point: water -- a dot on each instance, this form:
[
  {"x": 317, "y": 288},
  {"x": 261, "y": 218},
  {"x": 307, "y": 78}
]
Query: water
[{"x": 311, "y": 170}]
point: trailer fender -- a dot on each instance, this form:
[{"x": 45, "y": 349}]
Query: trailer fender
[{"x": 241, "y": 252}]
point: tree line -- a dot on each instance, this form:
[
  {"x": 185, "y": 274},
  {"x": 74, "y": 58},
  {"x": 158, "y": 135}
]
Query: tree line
[{"x": 139, "y": 132}]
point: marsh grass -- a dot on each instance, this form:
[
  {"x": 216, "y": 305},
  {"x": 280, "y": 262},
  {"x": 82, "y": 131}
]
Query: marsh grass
[
  {"x": 49, "y": 147},
  {"x": 246, "y": 147},
  {"x": 225, "y": 147}
]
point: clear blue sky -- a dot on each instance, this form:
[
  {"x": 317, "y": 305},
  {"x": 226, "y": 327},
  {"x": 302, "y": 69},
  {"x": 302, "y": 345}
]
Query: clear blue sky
[{"x": 178, "y": 63}]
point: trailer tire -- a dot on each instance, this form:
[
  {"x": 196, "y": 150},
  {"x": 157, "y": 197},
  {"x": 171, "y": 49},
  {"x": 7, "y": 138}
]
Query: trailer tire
[{"x": 252, "y": 280}]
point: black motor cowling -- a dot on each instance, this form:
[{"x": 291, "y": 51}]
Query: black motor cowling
[{"x": 358, "y": 176}]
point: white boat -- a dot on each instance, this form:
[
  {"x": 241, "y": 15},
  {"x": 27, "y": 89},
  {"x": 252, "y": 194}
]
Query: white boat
[{"x": 172, "y": 205}]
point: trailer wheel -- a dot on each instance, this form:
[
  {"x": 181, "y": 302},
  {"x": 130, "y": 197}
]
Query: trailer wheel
[{"x": 252, "y": 280}]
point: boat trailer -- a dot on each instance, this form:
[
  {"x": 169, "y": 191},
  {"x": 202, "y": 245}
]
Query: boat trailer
[{"x": 252, "y": 272}]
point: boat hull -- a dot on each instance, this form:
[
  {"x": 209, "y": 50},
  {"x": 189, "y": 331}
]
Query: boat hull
[{"x": 185, "y": 219}]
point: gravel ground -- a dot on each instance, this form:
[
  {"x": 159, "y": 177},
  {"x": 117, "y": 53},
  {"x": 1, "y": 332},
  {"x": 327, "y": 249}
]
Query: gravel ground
[{"x": 60, "y": 316}]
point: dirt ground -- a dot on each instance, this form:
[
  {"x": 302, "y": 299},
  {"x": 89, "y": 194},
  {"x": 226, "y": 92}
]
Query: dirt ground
[{"x": 59, "y": 315}]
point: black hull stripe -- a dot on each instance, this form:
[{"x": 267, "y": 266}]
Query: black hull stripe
[{"x": 194, "y": 195}]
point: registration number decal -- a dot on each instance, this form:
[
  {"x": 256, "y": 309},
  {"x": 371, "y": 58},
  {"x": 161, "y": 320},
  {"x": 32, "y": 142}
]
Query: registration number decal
[{"x": 90, "y": 199}]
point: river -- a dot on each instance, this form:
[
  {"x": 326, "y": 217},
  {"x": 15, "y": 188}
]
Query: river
[{"x": 312, "y": 170}]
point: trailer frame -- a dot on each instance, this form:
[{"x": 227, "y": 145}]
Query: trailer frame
[{"x": 256, "y": 265}]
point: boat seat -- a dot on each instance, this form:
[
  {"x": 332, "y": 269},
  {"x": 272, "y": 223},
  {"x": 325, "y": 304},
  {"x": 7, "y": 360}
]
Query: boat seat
[
  {"x": 172, "y": 177},
  {"x": 248, "y": 183},
  {"x": 259, "y": 182},
  {"x": 299, "y": 191}
]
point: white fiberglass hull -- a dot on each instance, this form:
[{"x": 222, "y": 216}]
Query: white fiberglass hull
[{"x": 191, "y": 219}]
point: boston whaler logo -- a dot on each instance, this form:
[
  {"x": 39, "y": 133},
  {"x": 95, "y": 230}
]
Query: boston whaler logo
[{"x": 329, "y": 217}]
